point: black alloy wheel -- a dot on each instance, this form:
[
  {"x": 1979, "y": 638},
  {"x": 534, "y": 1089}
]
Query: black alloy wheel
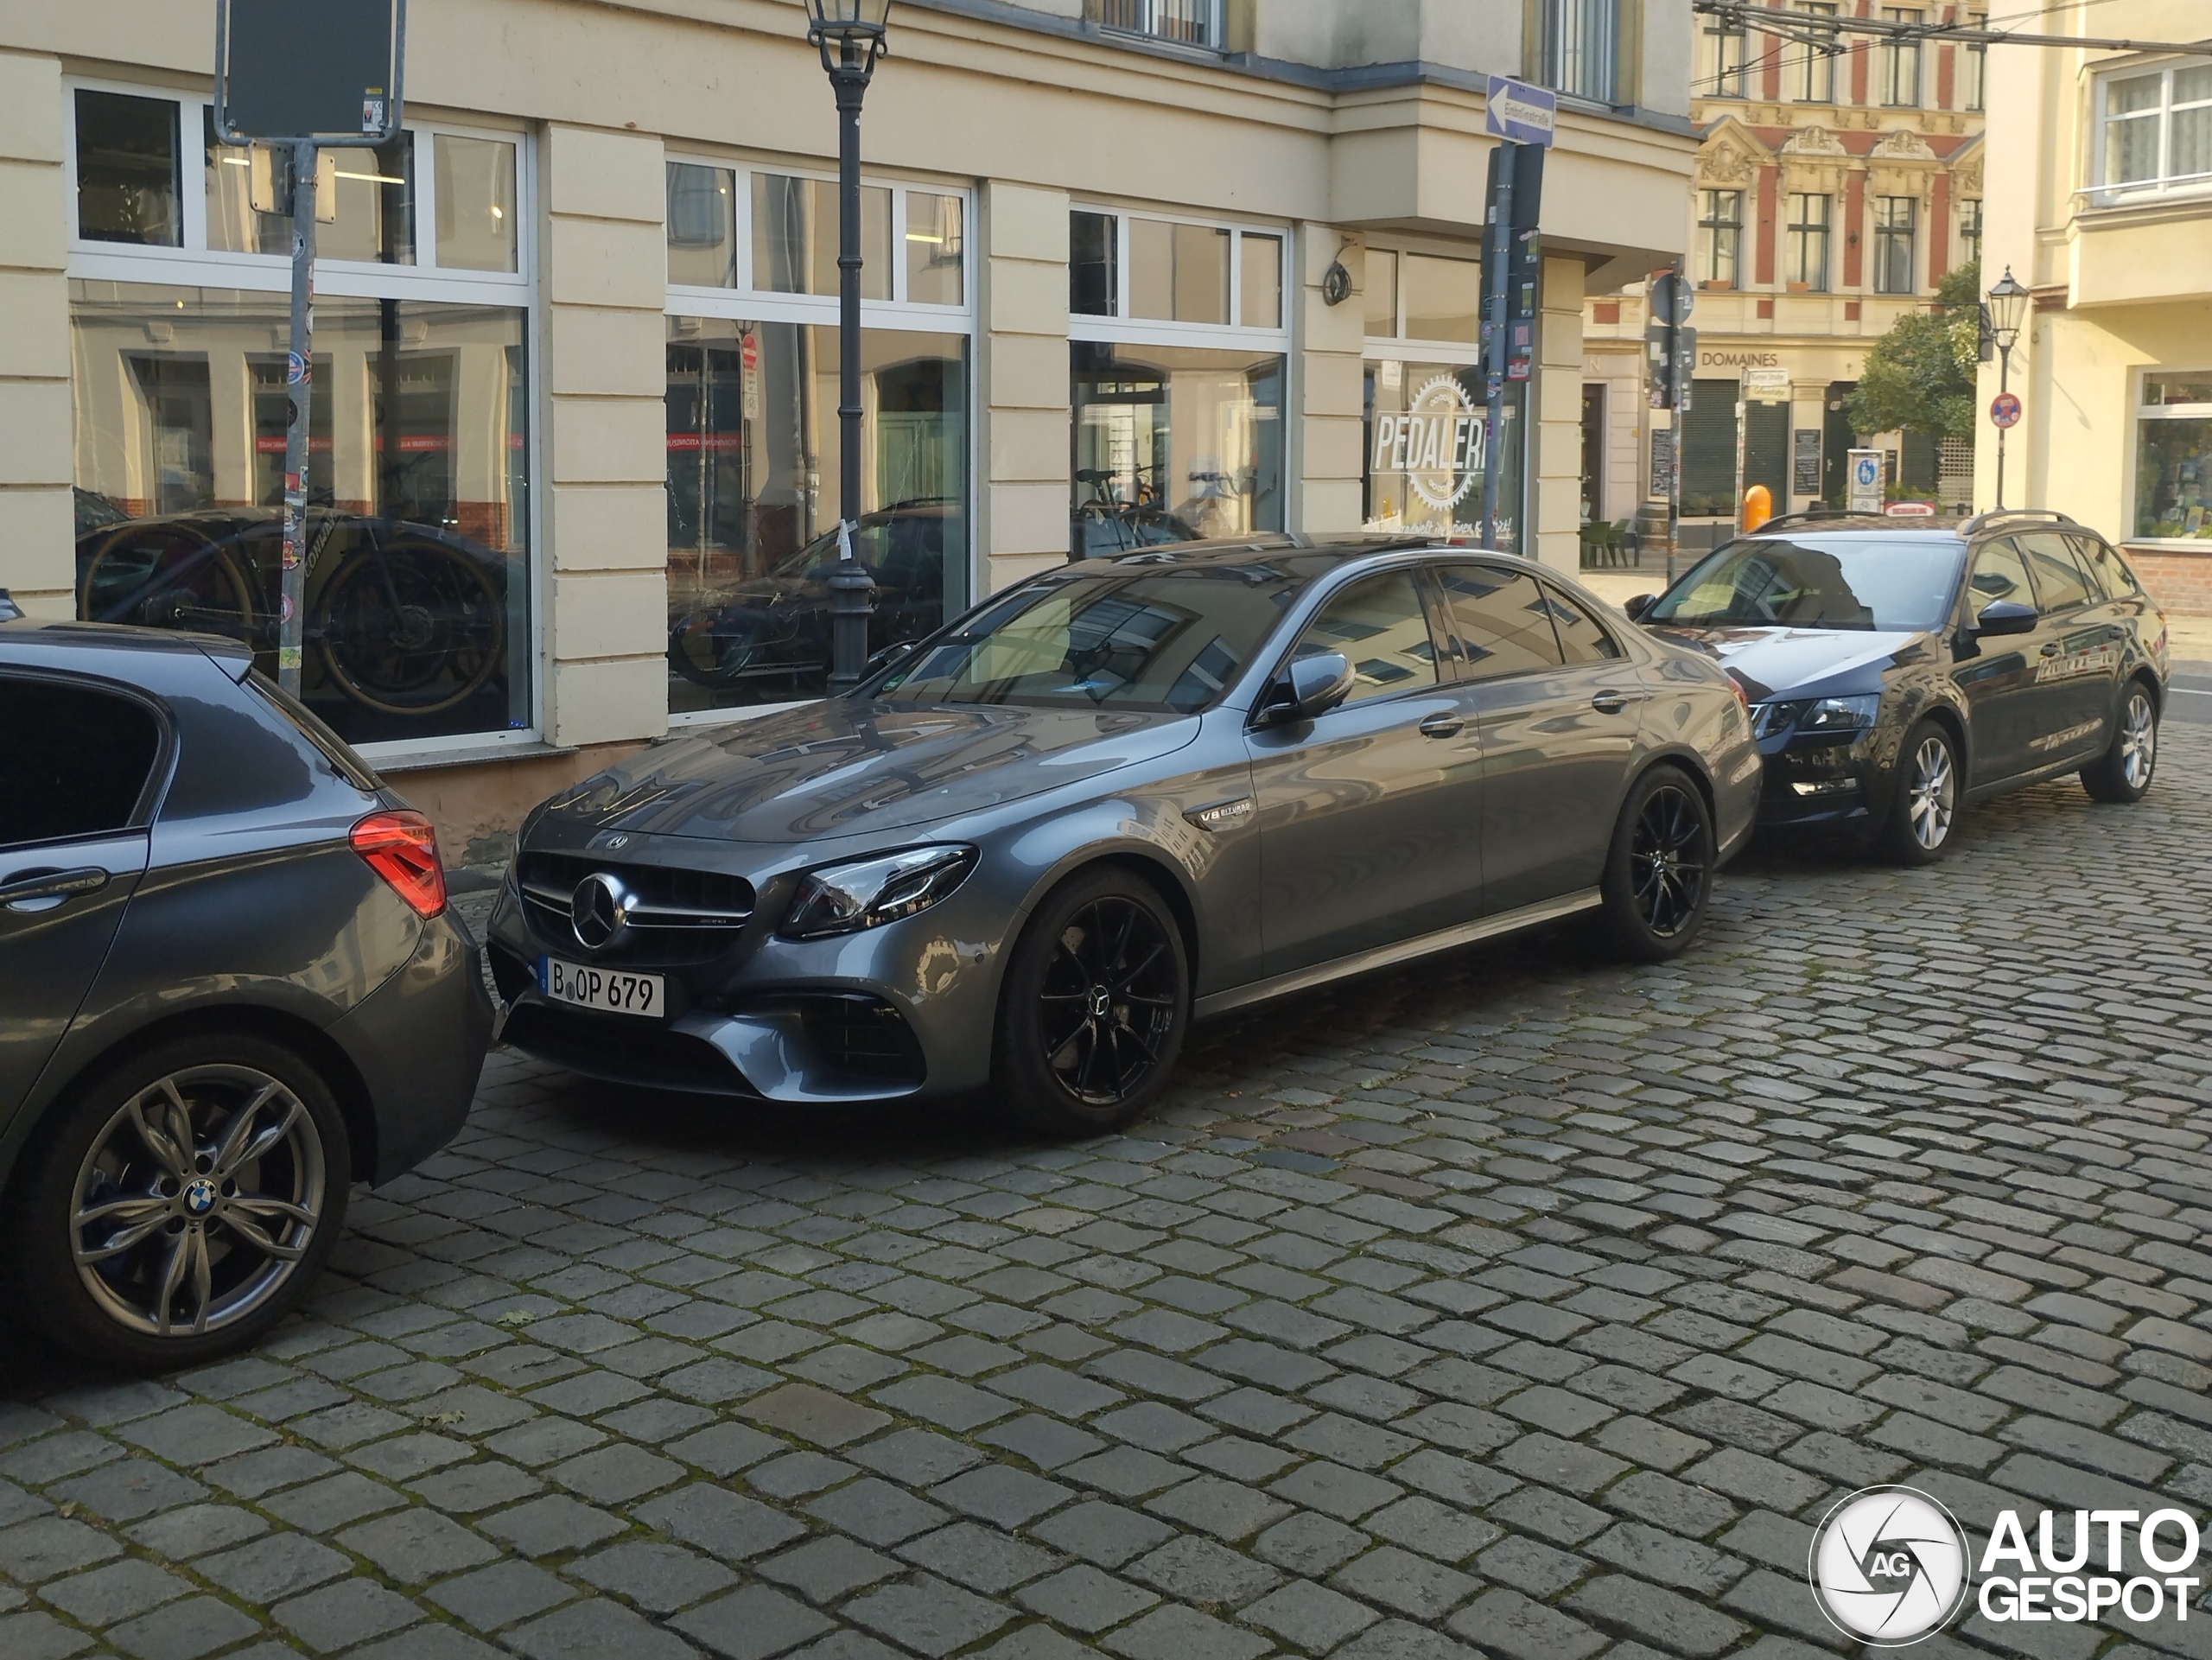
[
  {"x": 2122, "y": 773},
  {"x": 1095, "y": 1005},
  {"x": 1658, "y": 879},
  {"x": 176, "y": 1206}
]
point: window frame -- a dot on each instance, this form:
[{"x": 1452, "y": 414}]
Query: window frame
[
  {"x": 1818, "y": 65},
  {"x": 1217, "y": 26},
  {"x": 1900, "y": 55},
  {"x": 1972, "y": 228},
  {"x": 1711, "y": 224},
  {"x": 1120, "y": 328},
  {"x": 147, "y": 807},
  {"x": 1885, "y": 237},
  {"x": 1552, "y": 29},
  {"x": 1798, "y": 236},
  {"x": 196, "y": 265},
  {"x": 2098, "y": 193},
  {"x": 1724, "y": 74},
  {"x": 1443, "y": 618},
  {"x": 1418, "y": 348},
  {"x": 1293, "y": 629},
  {"x": 1973, "y": 75},
  {"x": 2141, "y": 411}
]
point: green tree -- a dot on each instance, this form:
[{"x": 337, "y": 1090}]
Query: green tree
[{"x": 1920, "y": 375}]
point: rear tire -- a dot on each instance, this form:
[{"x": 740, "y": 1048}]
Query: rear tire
[
  {"x": 1658, "y": 881},
  {"x": 2123, "y": 772},
  {"x": 1924, "y": 818},
  {"x": 1096, "y": 1001},
  {"x": 141, "y": 1252}
]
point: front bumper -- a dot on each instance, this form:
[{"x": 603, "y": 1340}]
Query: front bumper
[
  {"x": 1827, "y": 780},
  {"x": 894, "y": 1012},
  {"x": 419, "y": 1042}
]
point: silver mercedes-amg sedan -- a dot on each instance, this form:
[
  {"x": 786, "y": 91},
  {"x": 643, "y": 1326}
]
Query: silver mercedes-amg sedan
[{"x": 1032, "y": 848}]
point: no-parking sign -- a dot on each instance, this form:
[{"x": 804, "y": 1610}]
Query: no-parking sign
[{"x": 2005, "y": 410}]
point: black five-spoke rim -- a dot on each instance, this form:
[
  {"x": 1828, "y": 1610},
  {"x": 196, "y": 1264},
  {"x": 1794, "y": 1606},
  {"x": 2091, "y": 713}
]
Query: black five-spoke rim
[
  {"x": 197, "y": 1200},
  {"x": 1667, "y": 860},
  {"x": 1108, "y": 1001}
]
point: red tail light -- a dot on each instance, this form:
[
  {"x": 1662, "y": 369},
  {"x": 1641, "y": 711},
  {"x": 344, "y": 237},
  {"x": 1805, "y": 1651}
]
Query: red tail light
[
  {"x": 403, "y": 848},
  {"x": 1743, "y": 698}
]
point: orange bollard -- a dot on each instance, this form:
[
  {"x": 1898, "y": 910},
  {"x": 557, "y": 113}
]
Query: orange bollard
[{"x": 1759, "y": 506}]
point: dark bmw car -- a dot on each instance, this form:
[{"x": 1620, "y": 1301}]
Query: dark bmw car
[
  {"x": 1110, "y": 799},
  {"x": 229, "y": 987},
  {"x": 1900, "y": 668}
]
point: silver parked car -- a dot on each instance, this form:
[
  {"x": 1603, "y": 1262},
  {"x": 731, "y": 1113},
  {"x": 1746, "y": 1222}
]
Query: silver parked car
[{"x": 1132, "y": 792}]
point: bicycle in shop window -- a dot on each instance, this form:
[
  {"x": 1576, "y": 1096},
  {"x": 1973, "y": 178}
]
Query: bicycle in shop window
[
  {"x": 770, "y": 634},
  {"x": 404, "y": 617},
  {"x": 1106, "y": 524}
]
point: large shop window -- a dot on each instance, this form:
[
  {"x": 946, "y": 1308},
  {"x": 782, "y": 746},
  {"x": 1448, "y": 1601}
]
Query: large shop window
[
  {"x": 753, "y": 510},
  {"x": 2173, "y": 457},
  {"x": 1426, "y": 421},
  {"x": 1176, "y": 375},
  {"x": 753, "y": 442},
  {"x": 417, "y": 624}
]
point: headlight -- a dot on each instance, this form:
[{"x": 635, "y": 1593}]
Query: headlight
[
  {"x": 844, "y": 899},
  {"x": 1840, "y": 714}
]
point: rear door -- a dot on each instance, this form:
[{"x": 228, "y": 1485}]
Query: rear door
[
  {"x": 78, "y": 765},
  {"x": 2077, "y": 655},
  {"x": 1369, "y": 816},
  {"x": 1558, "y": 707}
]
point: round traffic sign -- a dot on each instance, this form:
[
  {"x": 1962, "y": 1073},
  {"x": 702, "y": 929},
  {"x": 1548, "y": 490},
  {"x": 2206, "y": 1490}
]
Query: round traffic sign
[
  {"x": 2005, "y": 410},
  {"x": 749, "y": 352}
]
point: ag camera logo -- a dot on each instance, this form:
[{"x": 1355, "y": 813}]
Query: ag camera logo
[{"x": 1888, "y": 1567}]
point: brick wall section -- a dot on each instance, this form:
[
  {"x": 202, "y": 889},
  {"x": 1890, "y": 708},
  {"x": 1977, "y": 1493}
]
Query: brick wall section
[
  {"x": 2181, "y": 583},
  {"x": 37, "y": 564}
]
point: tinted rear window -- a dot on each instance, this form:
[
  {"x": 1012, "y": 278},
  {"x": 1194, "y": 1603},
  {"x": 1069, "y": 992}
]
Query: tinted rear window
[{"x": 73, "y": 759}]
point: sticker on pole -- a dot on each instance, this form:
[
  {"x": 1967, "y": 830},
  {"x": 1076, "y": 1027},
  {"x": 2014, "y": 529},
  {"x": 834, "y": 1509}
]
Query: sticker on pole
[
  {"x": 1525, "y": 114},
  {"x": 296, "y": 367},
  {"x": 2005, "y": 410}
]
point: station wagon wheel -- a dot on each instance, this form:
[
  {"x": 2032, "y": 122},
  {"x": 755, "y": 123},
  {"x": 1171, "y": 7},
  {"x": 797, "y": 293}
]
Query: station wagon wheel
[
  {"x": 2123, "y": 772},
  {"x": 178, "y": 1205},
  {"x": 1658, "y": 880},
  {"x": 1096, "y": 1001},
  {"x": 1926, "y": 807}
]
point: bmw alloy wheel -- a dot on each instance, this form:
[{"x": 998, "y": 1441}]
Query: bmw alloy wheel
[
  {"x": 1667, "y": 860},
  {"x": 1931, "y": 792},
  {"x": 197, "y": 1200}
]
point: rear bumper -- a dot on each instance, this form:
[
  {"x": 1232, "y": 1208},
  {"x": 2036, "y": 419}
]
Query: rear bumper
[{"x": 419, "y": 1042}]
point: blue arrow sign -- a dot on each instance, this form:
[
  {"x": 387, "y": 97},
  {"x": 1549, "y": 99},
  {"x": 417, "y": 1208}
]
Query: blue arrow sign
[{"x": 1524, "y": 113}]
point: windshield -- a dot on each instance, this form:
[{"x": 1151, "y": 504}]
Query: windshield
[
  {"x": 1871, "y": 581},
  {"x": 1166, "y": 641},
  {"x": 879, "y": 540}
]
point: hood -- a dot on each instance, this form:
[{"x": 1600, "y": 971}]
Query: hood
[
  {"x": 847, "y": 766},
  {"x": 1772, "y": 661}
]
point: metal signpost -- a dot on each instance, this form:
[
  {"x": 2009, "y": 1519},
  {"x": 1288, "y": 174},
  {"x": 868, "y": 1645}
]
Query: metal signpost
[
  {"x": 308, "y": 75},
  {"x": 1671, "y": 354},
  {"x": 1522, "y": 119},
  {"x": 1865, "y": 478}
]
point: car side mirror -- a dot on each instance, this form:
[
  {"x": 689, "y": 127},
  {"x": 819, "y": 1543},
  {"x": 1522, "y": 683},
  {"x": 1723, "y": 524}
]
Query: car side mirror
[
  {"x": 2006, "y": 617},
  {"x": 1312, "y": 687},
  {"x": 1640, "y": 606}
]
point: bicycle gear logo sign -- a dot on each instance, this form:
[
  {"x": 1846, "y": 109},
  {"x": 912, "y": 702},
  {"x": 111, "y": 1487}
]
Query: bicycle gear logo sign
[
  {"x": 1437, "y": 443},
  {"x": 1888, "y": 1567}
]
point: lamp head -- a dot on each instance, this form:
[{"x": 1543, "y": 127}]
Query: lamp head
[
  {"x": 847, "y": 20},
  {"x": 2008, "y": 309}
]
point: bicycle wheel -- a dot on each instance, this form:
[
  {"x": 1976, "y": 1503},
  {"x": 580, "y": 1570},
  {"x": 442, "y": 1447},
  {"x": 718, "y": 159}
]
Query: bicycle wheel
[
  {"x": 158, "y": 575},
  {"x": 409, "y": 628}
]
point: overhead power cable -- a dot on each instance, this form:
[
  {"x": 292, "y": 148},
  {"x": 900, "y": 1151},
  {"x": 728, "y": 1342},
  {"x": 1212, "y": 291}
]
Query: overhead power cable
[{"x": 1818, "y": 30}]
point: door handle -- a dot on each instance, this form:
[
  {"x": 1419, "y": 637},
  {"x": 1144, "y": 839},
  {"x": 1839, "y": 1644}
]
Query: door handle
[
  {"x": 1441, "y": 726},
  {"x": 2052, "y": 648},
  {"x": 53, "y": 887},
  {"x": 1610, "y": 702}
]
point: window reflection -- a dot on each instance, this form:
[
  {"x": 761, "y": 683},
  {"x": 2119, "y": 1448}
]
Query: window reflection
[
  {"x": 128, "y": 188},
  {"x": 476, "y": 203},
  {"x": 1260, "y": 282},
  {"x": 1178, "y": 273},
  {"x": 753, "y": 504},
  {"x": 1382, "y": 293},
  {"x": 702, "y": 225},
  {"x": 1443, "y": 298},
  {"x": 1094, "y": 268},
  {"x": 795, "y": 236},
  {"x": 934, "y": 248}
]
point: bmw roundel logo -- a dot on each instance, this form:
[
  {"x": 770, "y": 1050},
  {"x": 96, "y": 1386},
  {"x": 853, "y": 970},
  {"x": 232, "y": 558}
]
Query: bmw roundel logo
[
  {"x": 598, "y": 910},
  {"x": 1888, "y": 1566},
  {"x": 199, "y": 1197}
]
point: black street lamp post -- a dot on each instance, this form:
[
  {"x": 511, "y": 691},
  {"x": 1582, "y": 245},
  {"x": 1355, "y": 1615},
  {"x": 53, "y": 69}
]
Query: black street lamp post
[
  {"x": 849, "y": 34},
  {"x": 2008, "y": 305}
]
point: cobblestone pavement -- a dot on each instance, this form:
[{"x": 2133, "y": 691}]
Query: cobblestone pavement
[{"x": 1521, "y": 1304}]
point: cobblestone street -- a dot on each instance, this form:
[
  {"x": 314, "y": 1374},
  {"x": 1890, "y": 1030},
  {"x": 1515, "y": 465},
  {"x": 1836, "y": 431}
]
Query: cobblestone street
[{"x": 1520, "y": 1304}]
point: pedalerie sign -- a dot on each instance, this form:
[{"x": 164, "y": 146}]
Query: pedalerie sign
[{"x": 1435, "y": 445}]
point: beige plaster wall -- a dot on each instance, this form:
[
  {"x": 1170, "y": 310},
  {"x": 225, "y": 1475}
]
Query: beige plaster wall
[
  {"x": 1023, "y": 447},
  {"x": 37, "y": 562}
]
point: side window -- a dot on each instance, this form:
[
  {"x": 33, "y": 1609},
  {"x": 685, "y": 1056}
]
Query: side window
[
  {"x": 2109, "y": 570},
  {"x": 73, "y": 759},
  {"x": 1382, "y": 627},
  {"x": 1582, "y": 638},
  {"x": 1998, "y": 574},
  {"x": 2059, "y": 582},
  {"x": 1498, "y": 621}
]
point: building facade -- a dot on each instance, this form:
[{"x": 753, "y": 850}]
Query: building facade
[
  {"x": 1135, "y": 269},
  {"x": 2104, "y": 209},
  {"x": 1833, "y": 193}
]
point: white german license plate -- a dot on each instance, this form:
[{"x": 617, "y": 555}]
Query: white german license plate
[{"x": 613, "y": 991}]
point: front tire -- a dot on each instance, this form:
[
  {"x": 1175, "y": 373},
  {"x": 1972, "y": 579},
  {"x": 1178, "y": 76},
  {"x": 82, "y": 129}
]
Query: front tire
[
  {"x": 2123, "y": 772},
  {"x": 1924, "y": 816},
  {"x": 175, "y": 1206},
  {"x": 1658, "y": 881},
  {"x": 1095, "y": 1005}
]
